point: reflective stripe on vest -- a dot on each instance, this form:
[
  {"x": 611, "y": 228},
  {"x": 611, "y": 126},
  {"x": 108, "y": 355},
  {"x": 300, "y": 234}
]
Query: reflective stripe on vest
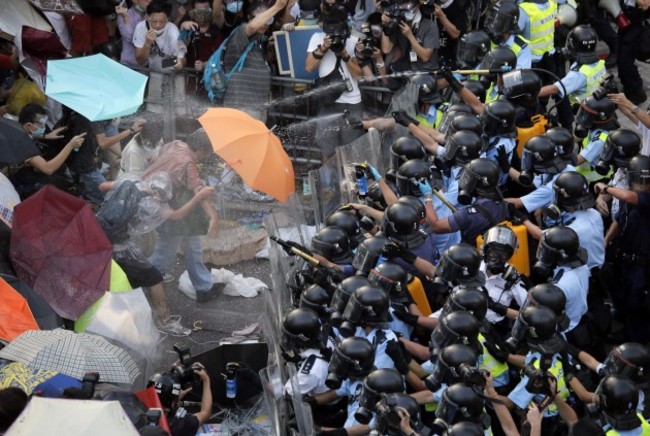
[
  {"x": 586, "y": 169},
  {"x": 490, "y": 95},
  {"x": 422, "y": 119},
  {"x": 518, "y": 44},
  {"x": 645, "y": 427},
  {"x": 542, "y": 26},
  {"x": 594, "y": 74},
  {"x": 495, "y": 367},
  {"x": 557, "y": 371}
]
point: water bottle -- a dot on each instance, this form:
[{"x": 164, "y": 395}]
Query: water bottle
[
  {"x": 362, "y": 185},
  {"x": 231, "y": 380}
]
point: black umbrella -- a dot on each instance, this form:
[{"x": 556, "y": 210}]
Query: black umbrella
[{"x": 15, "y": 145}]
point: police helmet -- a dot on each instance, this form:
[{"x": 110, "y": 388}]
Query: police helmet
[
  {"x": 333, "y": 244},
  {"x": 416, "y": 204},
  {"x": 498, "y": 118},
  {"x": 541, "y": 321},
  {"x": 477, "y": 88},
  {"x": 449, "y": 115},
  {"x": 621, "y": 145},
  {"x": 562, "y": 243},
  {"x": 404, "y": 149},
  {"x": 638, "y": 171},
  {"x": 301, "y": 329},
  {"x": 347, "y": 220},
  {"x": 463, "y": 121},
  {"x": 316, "y": 298},
  {"x": 393, "y": 278},
  {"x": 563, "y": 140},
  {"x": 450, "y": 360},
  {"x": 409, "y": 174},
  {"x": 380, "y": 381},
  {"x": 540, "y": 156},
  {"x": 572, "y": 192},
  {"x": 375, "y": 198},
  {"x": 551, "y": 296},
  {"x": 400, "y": 219},
  {"x": 468, "y": 298},
  {"x": 368, "y": 254},
  {"x": 460, "y": 327},
  {"x": 479, "y": 179},
  {"x": 629, "y": 359},
  {"x": 427, "y": 89},
  {"x": 342, "y": 294},
  {"x": 459, "y": 264},
  {"x": 465, "y": 429},
  {"x": 368, "y": 305},
  {"x": 460, "y": 402},
  {"x": 618, "y": 397},
  {"x": 595, "y": 111},
  {"x": 472, "y": 47},
  {"x": 167, "y": 388},
  {"x": 500, "y": 58},
  {"x": 353, "y": 357},
  {"x": 581, "y": 44},
  {"x": 463, "y": 146}
]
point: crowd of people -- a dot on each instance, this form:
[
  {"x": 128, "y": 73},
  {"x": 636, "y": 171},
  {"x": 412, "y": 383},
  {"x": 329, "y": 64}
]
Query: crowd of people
[{"x": 494, "y": 279}]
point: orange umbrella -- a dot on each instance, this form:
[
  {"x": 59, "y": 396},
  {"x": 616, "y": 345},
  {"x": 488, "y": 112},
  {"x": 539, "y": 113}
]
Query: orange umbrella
[
  {"x": 251, "y": 150},
  {"x": 15, "y": 315}
]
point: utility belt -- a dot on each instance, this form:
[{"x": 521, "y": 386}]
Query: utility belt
[{"x": 630, "y": 258}]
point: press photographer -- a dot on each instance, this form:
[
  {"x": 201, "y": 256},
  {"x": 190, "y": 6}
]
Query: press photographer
[
  {"x": 368, "y": 49},
  {"x": 453, "y": 19}
]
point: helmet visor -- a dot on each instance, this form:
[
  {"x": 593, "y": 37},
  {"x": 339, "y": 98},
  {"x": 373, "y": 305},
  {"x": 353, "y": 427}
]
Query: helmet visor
[
  {"x": 447, "y": 410},
  {"x": 546, "y": 255},
  {"x": 502, "y": 237},
  {"x": 639, "y": 177},
  {"x": 497, "y": 24},
  {"x": 469, "y": 182},
  {"x": 468, "y": 54},
  {"x": 585, "y": 116},
  {"x": 616, "y": 364},
  {"x": 451, "y": 146},
  {"x": 365, "y": 259},
  {"x": 513, "y": 84},
  {"x": 353, "y": 310},
  {"x": 339, "y": 299}
]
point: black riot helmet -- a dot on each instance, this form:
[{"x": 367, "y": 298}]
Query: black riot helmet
[
  {"x": 461, "y": 403},
  {"x": 387, "y": 419},
  {"x": 342, "y": 294},
  {"x": 409, "y": 174},
  {"x": 638, "y": 171},
  {"x": 542, "y": 333},
  {"x": 465, "y": 429},
  {"x": 594, "y": 112},
  {"x": 572, "y": 192},
  {"x": 468, "y": 298},
  {"x": 629, "y": 359},
  {"x": 621, "y": 145},
  {"x": 463, "y": 146},
  {"x": 450, "y": 365},
  {"x": 480, "y": 178},
  {"x": 460, "y": 327},
  {"x": 477, "y": 88},
  {"x": 617, "y": 398},
  {"x": 551, "y": 296},
  {"x": 502, "y": 18},
  {"x": 498, "y": 118},
  {"x": 368, "y": 254},
  {"x": 368, "y": 305},
  {"x": 380, "y": 381},
  {"x": 563, "y": 140},
  {"x": 581, "y": 44},
  {"x": 472, "y": 47},
  {"x": 404, "y": 149},
  {"x": 375, "y": 198},
  {"x": 459, "y": 264},
  {"x": 167, "y": 388},
  {"x": 401, "y": 225},
  {"x": 540, "y": 156},
  {"x": 463, "y": 121},
  {"x": 347, "y": 220},
  {"x": 316, "y": 298},
  {"x": 558, "y": 245},
  {"x": 393, "y": 278},
  {"x": 449, "y": 115},
  {"x": 302, "y": 329},
  {"x": 416, "y": 204},
  {"x": 500, "y": 58},
  {"x": 521, "y": 86},
  {"x": 353, "y": 358},
  {"x": 333, "y": 244},
  {"x": 427, "y": 89}
]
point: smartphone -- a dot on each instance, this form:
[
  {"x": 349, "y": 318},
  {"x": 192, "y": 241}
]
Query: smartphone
[{"x": 169, "y": 62}]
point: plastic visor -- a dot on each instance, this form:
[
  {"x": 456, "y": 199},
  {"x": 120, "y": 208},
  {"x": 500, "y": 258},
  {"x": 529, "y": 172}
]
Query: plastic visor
[
  {"x": 353, "y": 310},
  {"x": 513, "y": 84},
  {"x": 497, "y": 24},
  {"x": 391, "y": 286},
  {"x": 468, "y": 54},
  {"x": 339, "y": 299},
  {"x": 451, "y": 146},
  {"x": 364, "y": 259},
  {"x": 585, "y": 116},
  {"x": 616, "y": 364},
  {"x": 639, "y": 177}
]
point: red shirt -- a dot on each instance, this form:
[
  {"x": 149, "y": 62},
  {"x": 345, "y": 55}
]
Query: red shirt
[{"x": 177, "y": 159}]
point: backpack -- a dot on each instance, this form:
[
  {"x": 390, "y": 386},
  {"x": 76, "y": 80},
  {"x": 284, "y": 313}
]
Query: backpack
[
  {"x": 215, "y": 78},
  {"x": 119, "y": 210}
]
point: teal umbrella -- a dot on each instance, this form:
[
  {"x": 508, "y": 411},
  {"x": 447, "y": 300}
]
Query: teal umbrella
[{"x": 95, "y": 86}]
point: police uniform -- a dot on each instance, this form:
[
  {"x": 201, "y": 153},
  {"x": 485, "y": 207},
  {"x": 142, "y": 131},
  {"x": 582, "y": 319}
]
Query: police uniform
[
  {"x": 379, "y": 339},
  {"x": 476, "y": 219},
  {"x": 618, "y": 181},
  {"x": 311, "y": 375},
  {"x": 427, "y": 251},
  {"x": 432, "y": 118},
  {"x": 399, "y": 326},
  {"x": 352, "y": 390},
  {"x": 590, "y": 228},
  {"x": 519, "y": 45},
  {"x": 582, "y": 80},
  {"x": 496, "y": 287},
  {"x": 499, "y": 370},
  {"x": 537, "y": 25},
  {"x": 632, "y": 265},
  {"x": 492, "y": 153},
  {"x": 642, "y": 430},
  {"x": 522, "y": 398},
  {"x": 544, "y": 194},
  {"x": 574, "y": 282},
  {"x": 443, "y": 241},
  {"x": 592, "y": 146}
]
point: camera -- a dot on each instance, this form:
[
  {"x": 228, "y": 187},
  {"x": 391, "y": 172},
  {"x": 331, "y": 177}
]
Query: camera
[
  {"x": 368, "y": 47},
  {"x": 607, "y": 86},
  {"x": 338, "y": 42},
  {"x": 182, "y": 371},
  {"x": 471, "y": 375},
  {"x": 537, "y": 380},
  {"x": 397, "y": 16}
]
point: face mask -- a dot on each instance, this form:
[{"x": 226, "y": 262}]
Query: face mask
[
  {"x": 139, "y": 8},
  {"x": 39, "y": 133},
  {"x": 409, "y": 16},
  {"x": 234, "y": 7}
]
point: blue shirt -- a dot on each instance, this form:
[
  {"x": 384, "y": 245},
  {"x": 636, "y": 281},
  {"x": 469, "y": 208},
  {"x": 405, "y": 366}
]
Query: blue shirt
[
  {"x": 575, "y": 82},
  {"x": 525, "y": 56},
  {"x": 494, "y": 143},
  {"x": 521, "y": 397},
  {"x": 575, "y": 285},
  {"x": 382, "y": 360},
  {"x": 399, "y": 326},
  {"x": 524, "y": 26},
  {"x": 589, "y": 226},
  {"x": 594, "y": 147},
  {"x": 544, "y": 194},
  {"x": 443, "y": 241}
]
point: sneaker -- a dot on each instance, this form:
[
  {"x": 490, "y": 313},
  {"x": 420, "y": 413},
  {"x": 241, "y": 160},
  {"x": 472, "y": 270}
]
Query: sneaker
[
  {"x": 168, "y": 278},
  {"x": 211, "y": 294},
  {"x": 173, "y": 327}
]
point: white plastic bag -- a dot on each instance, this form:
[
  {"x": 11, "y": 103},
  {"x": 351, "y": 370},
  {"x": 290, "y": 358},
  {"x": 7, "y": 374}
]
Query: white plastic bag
[{"x": 236, "y": 284}]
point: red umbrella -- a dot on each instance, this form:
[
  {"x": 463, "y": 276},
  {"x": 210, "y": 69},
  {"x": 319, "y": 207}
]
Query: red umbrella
[
  {"x": 60, "y": 250},
  {"x": 41, "y": 46},
  {"x": 62, "y": 6}
]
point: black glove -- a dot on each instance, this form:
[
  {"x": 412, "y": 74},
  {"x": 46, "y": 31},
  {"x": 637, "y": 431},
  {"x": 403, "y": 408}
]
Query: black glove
[
  {"x": 394, "y": 351},
  {"x": 454, "y": 83},
  {"x": 499, "y": 353},
  {"x": 503, "y": 159},
  {"x": 516, "y": 216},
  {"x": 309, "y": 400},
  {"x": 392, "y": 250},
  {"x": 498, "y": 308},
  {"x": 401, "y": 117},
  {"x": 401, "y": 312}
]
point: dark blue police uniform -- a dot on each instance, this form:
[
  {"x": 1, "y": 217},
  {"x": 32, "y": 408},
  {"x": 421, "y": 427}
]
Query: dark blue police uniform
[{"x": 478, "y": 218}]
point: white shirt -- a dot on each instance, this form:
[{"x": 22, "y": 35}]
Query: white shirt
[
  {"x": 167, "y": 42},
  {"x": 328, "y": 62},
  {"x": 645, "y": 145},
  {"x": 311, "y": 382},
  {"x": 495, "y": 285}
]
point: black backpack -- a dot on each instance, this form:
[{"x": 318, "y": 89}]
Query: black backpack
[{"x": 119, "y": 210}]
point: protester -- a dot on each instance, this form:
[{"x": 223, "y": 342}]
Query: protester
[{"x": 127, "y": 20}]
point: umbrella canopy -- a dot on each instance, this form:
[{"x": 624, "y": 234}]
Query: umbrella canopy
[
  {"x": 95, "y": 86},
  {"x": 72, "y": 418},
  {"x": 19, "y": 375},
  {"x": 72, "y": 354},
  {"x": 15, "y": 315},
  {"x": 40, "y": 46},
  {"x": 61, "y": 6},
  {"x": 149, "y": 398},
  {"x": 251, "y": 149},
  {"x": 60, "y": 250},
  {"x": 45, "y": 316},
  {"x": 15, "y": 145},
  {"x": 54, "y": 387}
]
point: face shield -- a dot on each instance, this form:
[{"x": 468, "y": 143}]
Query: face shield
[
  {"x": 467, "y": 186},
  {"x": 339, "y": 303},
  {"x": 501, "y": 238},
  {"x": 585, "y": 117},
  {"x": 513, "y": 84},
  {"x": 547, "y": 258},
  {"x": 497, "y": 24},
  {"x": 616, "y": 364},
  {"x": 519, "y": 329},
  {"x": 450, "y": 271},
  {"x": 443, "y": 336},
  {"x": 451, "y": 146},
  {"x": 339, "y": 368},
  {"x": 395, "y": 288},
  {"x": 367, "y": 401},
  {"x": 353, "y": 310},
  {"x": 468, "y": 54},
  {"x": 641, "y": 178},
  {"x": 366, "y": 257}
]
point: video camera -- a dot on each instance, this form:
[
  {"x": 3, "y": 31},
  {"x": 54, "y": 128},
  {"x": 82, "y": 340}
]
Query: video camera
[
  {"x": 182, "y": 371},
  {"x": 607, "y": 86}
]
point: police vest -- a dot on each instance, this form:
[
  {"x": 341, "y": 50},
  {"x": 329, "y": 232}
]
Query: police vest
[
  {"x": 586, "y": 169},
  {"x": 422, "y": 119},
  {"x": 594, "y": 74},
  {"x": 542, "y": 26},
  {"x": 645, "y": 428},
  {"x": 518, "y": 44},
  {"x": 558, "y": 372},
  {"x": 495, "y": 367}
]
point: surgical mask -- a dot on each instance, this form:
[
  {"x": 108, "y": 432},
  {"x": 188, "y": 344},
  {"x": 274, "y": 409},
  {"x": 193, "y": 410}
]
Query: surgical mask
[
  {"x": 161, "y": 32},
  {"x": 409, "y": 16},
  {"x": 234, "y": 7},
  {"x": 39, "y": 133}
]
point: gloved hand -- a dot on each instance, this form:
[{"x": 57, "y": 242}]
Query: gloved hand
[
  {"x": 376, "y": 175},
  {"x": 392, "y": 250},
  {"x": 498, "y": 308},
  {"x": 503, "y": 159},
  {"x": 401, "y": 361},
  {"x": 454, "y": 83},
  {"x": 425, "y": 188},
  {"x": 500, "y": 354},
  {"x": 309, "y": 400},
  {"x": 401, "y": 117},
  {"x": 516, "y": 216},
  {"x": 352, "y": 121},
  {"x": 401, "y": 312}
]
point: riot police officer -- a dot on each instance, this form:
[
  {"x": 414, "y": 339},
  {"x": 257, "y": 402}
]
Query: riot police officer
[
  {"x": 348, "y": 221},
  {"x": 617, "y": 401},
  {"x": 502, "y": 24},
  {"x": 332, "y": 245}
]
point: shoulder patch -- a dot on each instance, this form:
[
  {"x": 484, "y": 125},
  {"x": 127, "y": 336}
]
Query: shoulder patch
[{"x": 308, "y": 364}]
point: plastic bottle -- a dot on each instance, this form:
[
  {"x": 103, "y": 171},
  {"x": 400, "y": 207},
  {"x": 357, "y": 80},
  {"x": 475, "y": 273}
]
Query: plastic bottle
[{"x": 362, "y": 185}]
